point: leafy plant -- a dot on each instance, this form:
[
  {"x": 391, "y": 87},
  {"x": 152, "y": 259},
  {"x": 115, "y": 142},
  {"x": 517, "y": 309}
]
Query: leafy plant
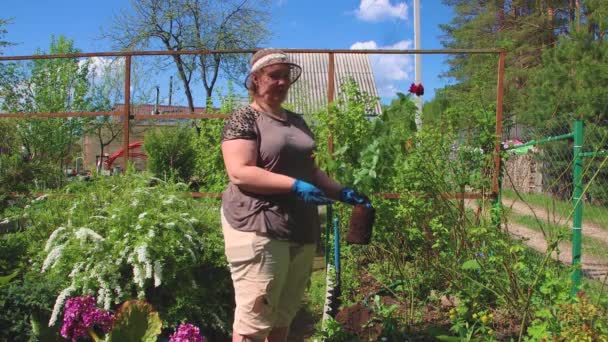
[
  {"x": 124, "y": 238},
  {"x": 135, "y": 321},
  {"x": 170, "y": 152}
]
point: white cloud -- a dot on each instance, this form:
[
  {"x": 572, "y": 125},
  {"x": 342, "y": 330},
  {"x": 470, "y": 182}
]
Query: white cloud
[
  {"x": 389, "y": 69},
  {"x": 376, "y": 10},
  {"x": 102, "y": 66}
]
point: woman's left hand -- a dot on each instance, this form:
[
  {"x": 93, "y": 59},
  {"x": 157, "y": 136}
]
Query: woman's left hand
[{"x": 351, "y": 196}]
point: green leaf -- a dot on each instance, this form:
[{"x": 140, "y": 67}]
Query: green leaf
[
  {"x": 4, "y": 280},
  {"x": 136, "y": 321},
  {"x": 446, "y": 338},
  {"x": 471, "y": 265}
]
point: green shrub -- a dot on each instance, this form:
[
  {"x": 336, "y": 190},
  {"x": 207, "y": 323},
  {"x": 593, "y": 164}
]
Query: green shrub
[
  {"x": 126, "y": 237},
  {"x": 170, "y": 152},
  {"x": 26, "y": 300}
]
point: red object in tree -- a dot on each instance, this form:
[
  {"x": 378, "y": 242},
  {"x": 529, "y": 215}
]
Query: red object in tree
[
  {"x": 120, "y": 152},
  {"x": 417, "y": 89}
]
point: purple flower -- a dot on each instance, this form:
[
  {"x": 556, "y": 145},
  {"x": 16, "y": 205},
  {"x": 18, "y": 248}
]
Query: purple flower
[
  {"x": 187, "y": 332},
  {"x": 80, "y": 315}
]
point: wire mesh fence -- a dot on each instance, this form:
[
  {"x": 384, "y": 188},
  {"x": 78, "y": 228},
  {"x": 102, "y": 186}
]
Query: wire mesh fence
[{"x": 556, "y": 186}]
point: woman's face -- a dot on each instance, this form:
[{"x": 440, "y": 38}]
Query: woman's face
[{"x": 273, "y": 83}]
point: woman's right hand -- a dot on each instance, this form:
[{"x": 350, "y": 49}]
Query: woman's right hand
[{"x": 309, "y": 193}]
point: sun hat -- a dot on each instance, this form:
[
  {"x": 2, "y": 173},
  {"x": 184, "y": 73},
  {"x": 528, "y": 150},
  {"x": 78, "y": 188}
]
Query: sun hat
[{"x": 266, "y": 57}]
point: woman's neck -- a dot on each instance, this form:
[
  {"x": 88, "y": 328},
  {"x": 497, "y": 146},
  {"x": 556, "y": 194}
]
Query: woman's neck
[{"x": 272, "y": 110}]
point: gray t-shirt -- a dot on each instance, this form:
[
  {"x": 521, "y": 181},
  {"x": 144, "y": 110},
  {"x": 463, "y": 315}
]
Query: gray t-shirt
[{"x": 284, "y": 147}]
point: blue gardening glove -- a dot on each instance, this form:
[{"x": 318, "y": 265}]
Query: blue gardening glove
[
  {"x": 309, "y": 193},
  {"x": 351, "y": 196}
]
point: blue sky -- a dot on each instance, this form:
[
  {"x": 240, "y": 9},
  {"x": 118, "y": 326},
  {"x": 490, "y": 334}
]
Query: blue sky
[{"x": 326, "y": 24}]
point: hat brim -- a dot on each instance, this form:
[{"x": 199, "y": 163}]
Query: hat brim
[{"x": 295, "y": 73}]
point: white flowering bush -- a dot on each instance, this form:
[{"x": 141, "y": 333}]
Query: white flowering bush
[{"x": 121, "y": 238}]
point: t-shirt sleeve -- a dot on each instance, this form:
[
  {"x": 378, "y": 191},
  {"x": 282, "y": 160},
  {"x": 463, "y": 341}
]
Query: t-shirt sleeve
[{"x": 240, "y": 125}]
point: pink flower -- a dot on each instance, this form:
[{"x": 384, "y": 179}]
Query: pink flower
[
  {"x": 186, "y": 332},
  {"x": 80, "y": 315}
]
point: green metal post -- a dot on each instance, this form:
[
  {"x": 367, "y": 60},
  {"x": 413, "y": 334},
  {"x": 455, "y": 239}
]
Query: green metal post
[
  {"x": 497, "y": 205},
  {"x": 577, "y": 218}
]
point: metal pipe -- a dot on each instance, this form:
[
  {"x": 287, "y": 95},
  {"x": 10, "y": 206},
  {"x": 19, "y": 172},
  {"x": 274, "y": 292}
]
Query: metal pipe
[
  {"x": 57, "y": 115},
  {"x": 200, "y": 52},
  {"x": 577, "y": 219},
  {"x": 499, "y": 103},
  {"x": 157, "y": 99},
  {"x": 542, "y": 141},
  {"x": 328, "y": 223},
  {"x": 418, "y": 63},
  {"x": 337, "y": 251},
  {"x": 127, "y": 113},
  {"x": 331, "y": 89},
  {"x": 594, "y": 154}
]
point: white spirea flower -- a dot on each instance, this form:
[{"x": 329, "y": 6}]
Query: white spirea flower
[
  {"x": 170, "y": 225},
  {"x": 101, "y": 295},
  {"x": 169, "y": 201},
  {"x": 134, "y": 203},
  {"x": 59, "y": 303},
  {"x": 77, "y": 268},
  {"x": 51, "y": 241},
  {"x": 138, "y": 276},
  {"x": 118, "y": 291},
  {"x": 142, "y": 253},
  {"x": 158, "y": 273},
  {"x": 148, "y": 267},
  {"x": 88, "y": 234},
  {"x": 142, "y": 215},
  {"x": 192, "y": 254},
  {"x": 52, "y": 258}
]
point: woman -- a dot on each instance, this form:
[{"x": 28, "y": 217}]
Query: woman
[{"x": 269, "y": 209}]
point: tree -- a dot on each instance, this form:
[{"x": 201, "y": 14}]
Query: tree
[
  {"x": 176, "y": 25},
  {"x": 3, "y": 32},
  {"x": 105, "y": 93},
  {"x": 49, "y": 85}
]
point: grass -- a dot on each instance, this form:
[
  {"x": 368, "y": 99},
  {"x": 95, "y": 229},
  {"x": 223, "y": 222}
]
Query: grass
[
  {"x": 591, "y": 246},
  {"x": 591, "y": 213}
]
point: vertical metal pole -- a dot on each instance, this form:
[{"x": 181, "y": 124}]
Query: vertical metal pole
[
  {"x": 418, "y": 62},
  {"x": 328, "y": 223},
  {"x": 127, "y": 113},
  {"x": 331, "y": 86},
  {"x": 337, "y": 251},
  {"x": 577, "y": 219},
  {"x": 497, "y": 150}
]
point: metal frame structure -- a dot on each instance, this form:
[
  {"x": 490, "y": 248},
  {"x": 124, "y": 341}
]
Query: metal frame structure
[{"x": 127, "y": 116}]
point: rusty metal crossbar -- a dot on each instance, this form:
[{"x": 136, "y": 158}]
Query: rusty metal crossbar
[{"x": 126, "y": 114}]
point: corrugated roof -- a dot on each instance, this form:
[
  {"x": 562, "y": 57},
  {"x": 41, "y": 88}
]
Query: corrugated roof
[{"x": 309, "y": 93}]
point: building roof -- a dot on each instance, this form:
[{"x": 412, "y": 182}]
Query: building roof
[{"x": 309, "y": 93}]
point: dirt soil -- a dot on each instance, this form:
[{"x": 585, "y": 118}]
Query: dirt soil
[{"x": 593, "y": 267}]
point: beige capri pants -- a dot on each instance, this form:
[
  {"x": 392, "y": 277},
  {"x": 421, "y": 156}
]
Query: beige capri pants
[{"x": 269, "y": 278}]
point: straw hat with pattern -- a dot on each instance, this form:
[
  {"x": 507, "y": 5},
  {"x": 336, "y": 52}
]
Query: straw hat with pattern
[{"x": 266, "y": 57}]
